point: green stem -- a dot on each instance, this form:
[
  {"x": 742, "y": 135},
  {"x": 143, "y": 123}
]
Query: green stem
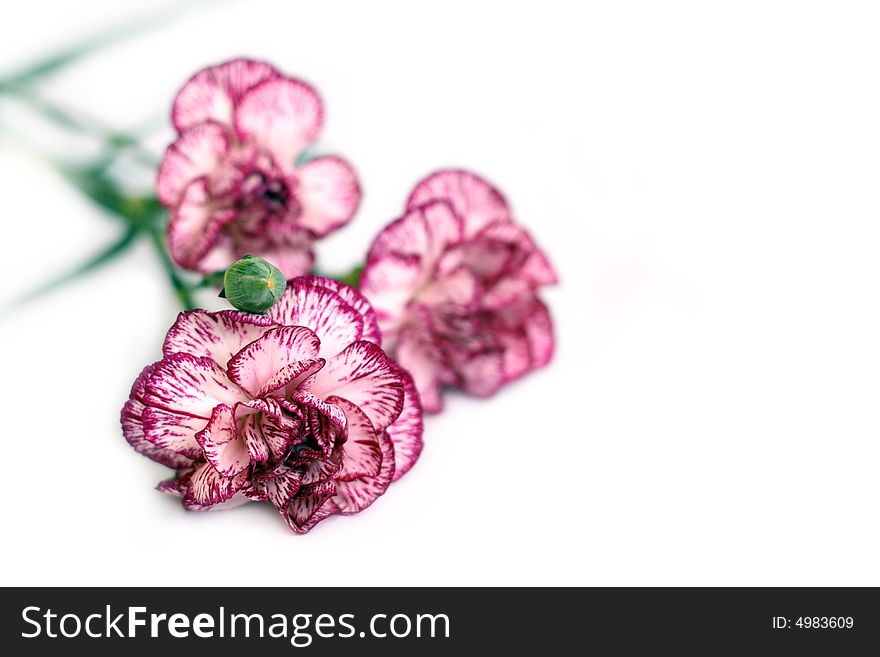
[
  {"x": 104, "y": 256},
  {"x": 209, "y": 281},
  {"x": 181, "y": 289}
]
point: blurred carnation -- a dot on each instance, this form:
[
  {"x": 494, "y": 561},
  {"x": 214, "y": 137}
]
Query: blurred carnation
[
  {"x": 230, "y": 180},
  {"x": 300, "y": 407},
  {"x": 454, "y": 284}
]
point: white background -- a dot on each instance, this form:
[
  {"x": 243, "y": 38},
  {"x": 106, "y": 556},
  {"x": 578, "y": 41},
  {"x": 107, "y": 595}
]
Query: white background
[{"x": 703, "y": 175}]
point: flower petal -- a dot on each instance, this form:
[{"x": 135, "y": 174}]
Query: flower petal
[
  {"x": 218, "y": 335},
  {"x": 255, "y": 365},
  {"x": 426, "y": 231},
  {"x": 461, "y": 290},
  {"x": 363, "y": 454},
  {"x": 281, "y": 486},
  {"x": 206, "y": 486},
  {"x": 282, "y": 115},
  {"x": 133, "y": 426},
  {"x": 363, "y": 374},
  {"x": 196, "y": 153},
  {"x": 517, "y": 358},
  {"x": 534, "y": 265},
  {"x": 390, "y": 281},
  {"x": 194, "y": 226},
  {"x": 310, "y": 506},
  {"x": 173, "y": 431},
  {"x": 238, "y": 499},
  {"x": 320, "y": 468},
  {"x": 189, "y": 385},
  {"x": 223, "y": 447},
  {"x": 539, "y": 333},
  {"x": 307, "y": 303},
  {"x": 354, "y": 298},
  {"x": 267, "y": 431},
  {"x": 219, "y": 256},
  {"x": 287, "y": 246},
  {"x": 481, "y": 374},
  {"x": 329, "y": 192},
  {"x": 406, "y": 431},
  {"x": 290, "y": 376},
  {"x": 212, "y": 93},
  {"x": 172, "y": 487},
  {"x": 472, "y": 198},
  {"x": 419, "y": 353},
  {"x": 323, "y": 421},
  {"x": 356, "y": 495}
]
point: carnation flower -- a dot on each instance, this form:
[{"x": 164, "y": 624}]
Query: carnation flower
[
  {"x": 300, "y": 407},
  {"x": 230, "y": 180},
  {"x": 454, "y": 284}
]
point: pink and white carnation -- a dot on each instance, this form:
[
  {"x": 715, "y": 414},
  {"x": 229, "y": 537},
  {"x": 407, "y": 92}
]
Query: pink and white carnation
[
  {"x": 300, "y": 408},
  {"x": 231, "y": 180},
  {"x": 454, "y": 283}
]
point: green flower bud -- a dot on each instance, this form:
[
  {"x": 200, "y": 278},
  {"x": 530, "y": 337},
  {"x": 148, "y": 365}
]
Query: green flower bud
[{"x": 253, "y": 285}]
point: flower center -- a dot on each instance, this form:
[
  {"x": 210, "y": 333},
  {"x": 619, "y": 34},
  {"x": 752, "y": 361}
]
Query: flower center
[{"x": 270, "y": 195}]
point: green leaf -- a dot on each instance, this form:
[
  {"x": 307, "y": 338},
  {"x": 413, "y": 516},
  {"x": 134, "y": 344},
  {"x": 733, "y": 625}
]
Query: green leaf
[
  {"x": 92, "y": 181},
  {"x": 104, "y": 256},
  {"x": 353, "y": 277},
  {"x": 212, "y": 280}
]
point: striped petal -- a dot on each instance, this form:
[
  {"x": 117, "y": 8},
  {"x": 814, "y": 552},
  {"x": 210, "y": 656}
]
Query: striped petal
[
  {"x": 238, "y": 499},
  {"x": 189, "y": 385},
  {"x": 218, "y": 336},
  {"x": 282, "y": 115},
  {"x": 406, "y": 431},
  {"x": 291, "y": 376},
  {"x": 197, "y": 153},
  {"x": 194, "y": 226},
  {"x": 266, "y": 429},
  {"x": 534, "y": 265},
  {"x": 323, "y": 421},
  {"x": 281, "y": 486},
  {"x": 206, "y": 486},
  {"x": 223, "y": 447},
  {"x": 472, "y": 198},
  {"x": 321, "y": 468},
  {"x": 212, "y": 93},
  {"x": 418, "y": 352},
  {"x": 390, "y": 281},
  {"x": 426, "y": 231},
  {"x": 354, "y": 298},
  {"x": 133, "y": 426},
  {"x": 306, "y": 302},
  {"x": 362, "y": 452},
  {"x": 356, "y": 495},
  {"x": 174, "y": 431},
  {"x": 310, "y": 506},
  {"x": 364, "y": 375},
  {"x": 329, "y": 192},
  {"x": 287, "y": 246},
  {"x": 255, "y": 365}
]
